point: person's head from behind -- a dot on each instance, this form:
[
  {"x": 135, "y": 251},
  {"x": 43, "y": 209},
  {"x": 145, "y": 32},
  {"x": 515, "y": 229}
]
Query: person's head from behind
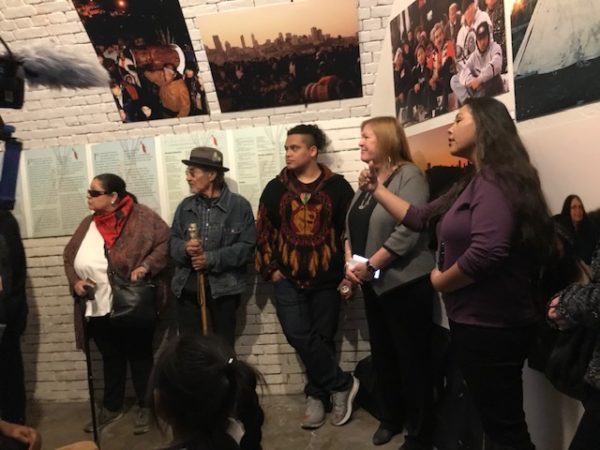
[
  {"x": 383, "y": 141},
  {"x": 195, "y": 385},
  {"x": 573, "y": 209},
  {"x": 468, "y": 11},
  {"x": 302, "y": 146}
]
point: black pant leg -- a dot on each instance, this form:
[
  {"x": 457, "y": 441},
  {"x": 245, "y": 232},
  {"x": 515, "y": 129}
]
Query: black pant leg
[
  {"x": 491, "y": 361},
  {"x": 114, "y": 360},
  {"x": 188, "y": 314},
  {"x": 312, "y": 345},
  {"x": 385, "y": 362},
  {"x": 223, "y": 312},
  {"x": 12, "y": 379},
  {"x": 141, "y": 359}
]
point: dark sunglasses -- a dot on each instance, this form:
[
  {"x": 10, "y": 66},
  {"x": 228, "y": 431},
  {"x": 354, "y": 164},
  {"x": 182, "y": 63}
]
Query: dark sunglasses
[{"x": 94, "y": 194}]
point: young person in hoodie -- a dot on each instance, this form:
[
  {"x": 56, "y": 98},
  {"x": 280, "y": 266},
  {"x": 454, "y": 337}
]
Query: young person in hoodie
[{"x": 299, "y": 249}]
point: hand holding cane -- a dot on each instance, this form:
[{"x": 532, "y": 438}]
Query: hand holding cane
[{"x": 193, "y": 234}]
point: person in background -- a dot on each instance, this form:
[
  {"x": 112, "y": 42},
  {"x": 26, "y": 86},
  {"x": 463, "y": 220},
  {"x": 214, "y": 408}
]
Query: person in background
[
  {"x": 300, "y": 250},
  {"x": 13, "y": 319},
  {"x": 574, "y": 219},
  {"x": 227, "y": 236},
  {"x": 579, "y": 305},
  {"x": 399, "y": 303},
  {"x": 136, "y": 239},
  {"x": 206, "y": 396},
  {"x": 493, "y": 234},
  {"x": 174, "y": 95}
]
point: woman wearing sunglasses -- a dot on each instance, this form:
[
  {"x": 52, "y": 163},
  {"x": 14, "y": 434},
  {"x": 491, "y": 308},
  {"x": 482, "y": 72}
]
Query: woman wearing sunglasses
[{"x": 136, "y": 239}]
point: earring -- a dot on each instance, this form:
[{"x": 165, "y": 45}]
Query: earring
[{"x": 112, "y": 203}]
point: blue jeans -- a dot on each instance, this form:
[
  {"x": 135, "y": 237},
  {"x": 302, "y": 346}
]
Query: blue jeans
[{"x": 309, "y": 320}]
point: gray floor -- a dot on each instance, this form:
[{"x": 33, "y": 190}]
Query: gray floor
[{"x": 62, "y": 423}]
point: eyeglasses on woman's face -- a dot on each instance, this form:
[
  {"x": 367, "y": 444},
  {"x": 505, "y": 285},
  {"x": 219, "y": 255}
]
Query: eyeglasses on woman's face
[{"x": 93, "y": 193}]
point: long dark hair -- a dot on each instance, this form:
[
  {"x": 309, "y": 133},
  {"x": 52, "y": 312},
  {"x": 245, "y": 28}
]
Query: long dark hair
[
  {"x": 114, "y": 183},
  {"x": 200, "y": 384},
  {"x": 499, "y": 149}
]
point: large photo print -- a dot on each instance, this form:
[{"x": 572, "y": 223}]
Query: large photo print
[
  {"x": 146, "y": 48},
  {"x": 444, "y": 52},
  {"x": 556, "y": 44},
  {"x": 286, "y": 54}
]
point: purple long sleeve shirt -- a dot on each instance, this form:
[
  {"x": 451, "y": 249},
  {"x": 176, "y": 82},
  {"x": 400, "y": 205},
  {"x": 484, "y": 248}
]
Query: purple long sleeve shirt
[{"x": 477, "y": 232}]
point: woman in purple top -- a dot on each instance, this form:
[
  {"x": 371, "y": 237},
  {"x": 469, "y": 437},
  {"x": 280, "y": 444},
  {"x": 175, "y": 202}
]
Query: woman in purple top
[{"x": 494, "y": 231}]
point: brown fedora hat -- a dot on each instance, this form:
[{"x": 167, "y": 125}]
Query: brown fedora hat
[{"x": 206, "y": 157}]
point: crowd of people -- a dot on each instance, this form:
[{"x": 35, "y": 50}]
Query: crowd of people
[
  {"x": 440, "y": 62},
  {"x": 144, "y": 92},
  {"x": 317, "y": 242},
  {"x": 282, "y": 81}
]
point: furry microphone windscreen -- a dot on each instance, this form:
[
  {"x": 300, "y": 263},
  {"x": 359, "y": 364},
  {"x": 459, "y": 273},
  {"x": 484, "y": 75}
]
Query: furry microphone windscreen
[{"x": 59, "y": 68}]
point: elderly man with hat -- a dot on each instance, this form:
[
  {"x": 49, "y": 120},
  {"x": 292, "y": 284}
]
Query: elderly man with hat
[{"x": 225, "y": 245}]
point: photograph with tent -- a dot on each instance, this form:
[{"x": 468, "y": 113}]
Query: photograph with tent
[{"x": 556, "y": 44}]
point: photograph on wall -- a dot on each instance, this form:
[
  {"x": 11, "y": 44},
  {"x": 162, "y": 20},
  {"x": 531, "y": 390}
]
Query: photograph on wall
[
  {"x": 286, "y": 54},
  {"x": 443, "y": 53},
  {"x": 556, "y": 47},
  {"x": 430, "y": 152},
  {"x": 145, "y": 47}
]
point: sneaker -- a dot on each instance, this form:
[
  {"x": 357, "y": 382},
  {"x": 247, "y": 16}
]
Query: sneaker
[
  {"x": 141, "y": 423},
  {"x": 104, "y": 418},
  {"x": 342, "y": 404},
  {"x": 314, "y": 415}
]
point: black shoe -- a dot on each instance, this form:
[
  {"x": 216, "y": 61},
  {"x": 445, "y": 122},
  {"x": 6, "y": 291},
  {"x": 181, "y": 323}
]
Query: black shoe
[{"x": 383, "y": 435}]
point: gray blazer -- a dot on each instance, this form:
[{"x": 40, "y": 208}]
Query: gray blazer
[{"x": 414, "y": 259}]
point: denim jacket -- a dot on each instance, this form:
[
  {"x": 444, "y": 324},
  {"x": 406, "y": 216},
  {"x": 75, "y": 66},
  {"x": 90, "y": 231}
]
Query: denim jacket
[{"x": 228, "y": 244}]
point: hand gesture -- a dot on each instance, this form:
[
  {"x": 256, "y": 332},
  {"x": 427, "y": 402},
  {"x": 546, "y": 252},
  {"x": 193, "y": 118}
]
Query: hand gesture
[
  {"x": 367, "y": 180},
  {"x": 80, "y": 286},
  {"x": 138, "y": 274},
  {"x": 554, "y": 315}
]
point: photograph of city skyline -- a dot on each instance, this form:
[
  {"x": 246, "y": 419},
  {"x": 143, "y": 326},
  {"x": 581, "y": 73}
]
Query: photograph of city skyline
[{"x": 282, "y": 55}]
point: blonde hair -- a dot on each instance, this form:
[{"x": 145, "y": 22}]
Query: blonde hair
[{"x": 391, "y": 139}]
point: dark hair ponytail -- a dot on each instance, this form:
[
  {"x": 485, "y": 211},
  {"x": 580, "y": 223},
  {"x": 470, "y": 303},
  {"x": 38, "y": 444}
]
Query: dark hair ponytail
[{"x": 200, "y": 385}]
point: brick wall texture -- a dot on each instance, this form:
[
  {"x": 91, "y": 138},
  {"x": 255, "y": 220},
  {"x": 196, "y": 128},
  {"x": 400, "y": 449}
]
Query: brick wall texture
[{"x": 55, "y": 370}]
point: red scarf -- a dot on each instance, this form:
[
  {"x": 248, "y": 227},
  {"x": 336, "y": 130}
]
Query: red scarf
[{"x": 110, "y": 225}]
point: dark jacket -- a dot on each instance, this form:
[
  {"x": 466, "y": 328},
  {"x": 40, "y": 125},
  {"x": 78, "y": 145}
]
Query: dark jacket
[
  {"x": 13, "y": 271},
  {"x": 581, "y": 306},
  {"x": 301, "y": 237},
  {"x": 228, "y": 247},
  {"x": 143, "y": 241}
]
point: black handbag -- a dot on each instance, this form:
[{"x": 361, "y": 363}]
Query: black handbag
[
  {"x": 569, "y": 360},
  {"x": 134, "y": 303}
]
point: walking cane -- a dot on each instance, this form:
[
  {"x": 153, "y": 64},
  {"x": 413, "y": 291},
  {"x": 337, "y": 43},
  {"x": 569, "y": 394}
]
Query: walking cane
[
  {"x": 193, "y": 233},
  {"x": 88, "y": 362}
]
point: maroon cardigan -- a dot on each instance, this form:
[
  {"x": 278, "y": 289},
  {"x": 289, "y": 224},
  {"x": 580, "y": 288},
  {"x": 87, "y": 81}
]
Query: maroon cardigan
[{"x": 143, "y": 241}]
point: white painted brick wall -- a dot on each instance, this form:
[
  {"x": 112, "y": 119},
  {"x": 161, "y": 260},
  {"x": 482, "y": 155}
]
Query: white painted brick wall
[{"x": 54, "y": 369}]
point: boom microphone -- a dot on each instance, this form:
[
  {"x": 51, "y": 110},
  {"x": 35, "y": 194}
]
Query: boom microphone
[{"x": 54, "y": 68}]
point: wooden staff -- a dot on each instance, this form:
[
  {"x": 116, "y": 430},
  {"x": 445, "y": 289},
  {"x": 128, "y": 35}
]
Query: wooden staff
[{"x": 193, "y": 233}]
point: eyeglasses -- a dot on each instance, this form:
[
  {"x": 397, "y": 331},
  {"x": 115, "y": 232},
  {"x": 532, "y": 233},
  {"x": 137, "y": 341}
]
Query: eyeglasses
[{"x": 92, "y": 193}]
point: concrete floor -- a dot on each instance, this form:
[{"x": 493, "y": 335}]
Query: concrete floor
[{"x": 62, "y": 423}]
